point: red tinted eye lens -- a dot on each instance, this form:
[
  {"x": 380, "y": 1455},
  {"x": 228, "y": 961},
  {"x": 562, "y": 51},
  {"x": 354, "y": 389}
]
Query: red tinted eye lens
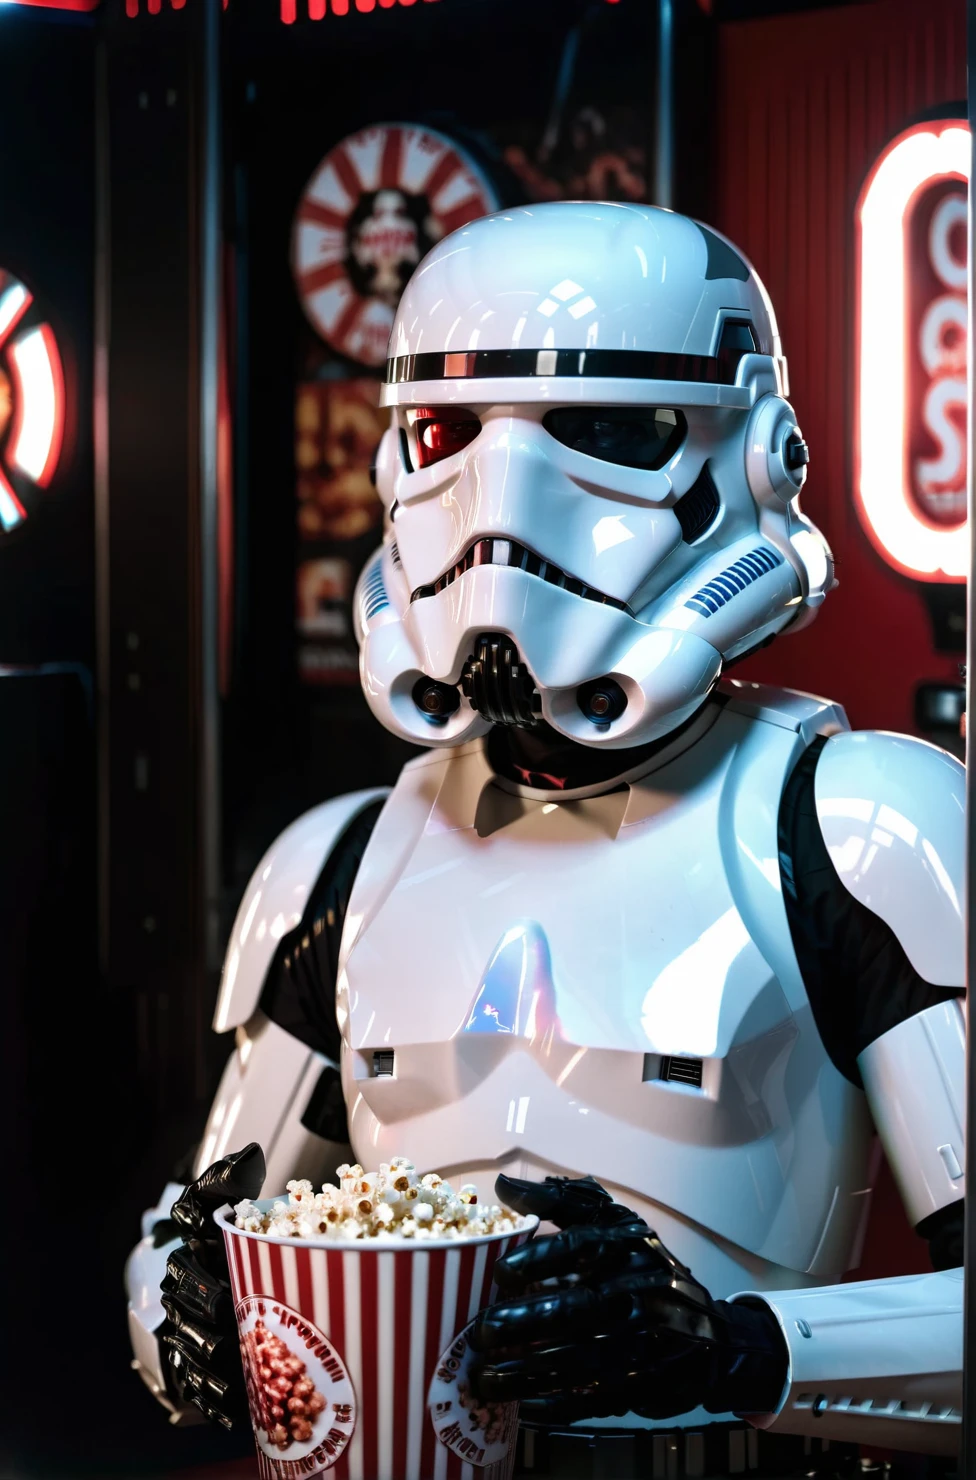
[{"x": 438, "y": 439}]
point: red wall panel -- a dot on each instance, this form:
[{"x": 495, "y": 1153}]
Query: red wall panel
[{"x": 806, "y": 102}]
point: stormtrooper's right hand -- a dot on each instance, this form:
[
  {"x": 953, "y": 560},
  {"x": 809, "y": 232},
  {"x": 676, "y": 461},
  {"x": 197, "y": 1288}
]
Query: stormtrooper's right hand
[{"x": 199, "y": 1335}]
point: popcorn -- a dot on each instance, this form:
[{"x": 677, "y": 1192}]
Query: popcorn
[
  {"x": 283, "y": 1397},
  {"x": 393, "y": 1202}
]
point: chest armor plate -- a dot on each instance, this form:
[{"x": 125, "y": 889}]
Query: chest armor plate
[{"x": 534, "y": 969}]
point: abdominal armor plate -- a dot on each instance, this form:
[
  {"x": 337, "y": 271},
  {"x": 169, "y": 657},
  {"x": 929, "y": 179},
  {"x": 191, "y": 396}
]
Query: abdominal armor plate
[{"x": 537, "y": 969}]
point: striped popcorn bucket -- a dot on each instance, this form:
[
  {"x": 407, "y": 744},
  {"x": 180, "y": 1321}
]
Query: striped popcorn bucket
[{"x": 355, "y": 1355}]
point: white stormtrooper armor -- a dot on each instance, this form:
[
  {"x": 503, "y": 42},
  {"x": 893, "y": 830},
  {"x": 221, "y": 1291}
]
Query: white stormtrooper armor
[
  {"x": 633, "y": 574},
  {"x": 581, "y": 954}
]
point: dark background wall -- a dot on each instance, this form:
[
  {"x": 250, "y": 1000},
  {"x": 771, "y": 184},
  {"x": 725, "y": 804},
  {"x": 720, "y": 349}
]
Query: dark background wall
[{"x": 47, "y": 191}]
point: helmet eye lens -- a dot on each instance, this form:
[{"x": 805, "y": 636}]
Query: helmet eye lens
[
  {"x": 441, "y": 431},
  {"x": 639, "y": 437}
]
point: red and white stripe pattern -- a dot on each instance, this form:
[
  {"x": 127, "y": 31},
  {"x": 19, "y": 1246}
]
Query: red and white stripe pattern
[
  {"x": 30, "y": 356},
  {"x": 410, "y": 159},
  {"x": 390, "y": 1315}
]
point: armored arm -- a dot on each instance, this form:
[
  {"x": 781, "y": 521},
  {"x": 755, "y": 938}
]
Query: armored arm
[
  {"x": 281, "y": 1085},
  {"x": 883, "y": 957}
]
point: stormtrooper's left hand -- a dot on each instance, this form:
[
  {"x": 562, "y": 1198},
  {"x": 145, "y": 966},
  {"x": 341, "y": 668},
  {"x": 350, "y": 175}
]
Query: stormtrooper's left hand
[
  {"x": 199, "y": 1335},
  {"x": 625, "y": 1328}
]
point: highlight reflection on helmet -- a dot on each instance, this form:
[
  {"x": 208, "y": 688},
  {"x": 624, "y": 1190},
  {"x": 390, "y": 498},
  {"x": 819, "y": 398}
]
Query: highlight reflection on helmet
[{"x": 591, "y": 480}]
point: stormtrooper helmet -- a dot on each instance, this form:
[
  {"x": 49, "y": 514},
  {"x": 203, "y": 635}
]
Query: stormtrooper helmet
[{"x": 590, "y": 480}]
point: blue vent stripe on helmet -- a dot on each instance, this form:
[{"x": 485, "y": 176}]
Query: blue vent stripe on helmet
[
  {"x": 721, "y": 588},
  {"x": 374, "y": 597}
]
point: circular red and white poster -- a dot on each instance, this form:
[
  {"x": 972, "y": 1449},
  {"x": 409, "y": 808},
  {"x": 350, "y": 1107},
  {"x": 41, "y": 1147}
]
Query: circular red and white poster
[
  {"x": 302, "y": 1402},
  {"x": 31, "y": 402},
  {"x": 374, "y": 207}
]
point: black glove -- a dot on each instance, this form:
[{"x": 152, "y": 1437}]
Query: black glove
[
  {"x": 625, "y": 1328},
  {"x": 200, "y": 1333}
]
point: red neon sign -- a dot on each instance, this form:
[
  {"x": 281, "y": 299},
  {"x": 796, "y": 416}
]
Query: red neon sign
[
  {"x": 318, "y": 9},
  {"x": 911, "y": 438},
  {"x": 59, "y": 4},
  {"x": 288, "y": 9},
  {"x": 155, "y": 7},
  {"x": 31, "y": 402},
  {"x": 935, "y": 244}
]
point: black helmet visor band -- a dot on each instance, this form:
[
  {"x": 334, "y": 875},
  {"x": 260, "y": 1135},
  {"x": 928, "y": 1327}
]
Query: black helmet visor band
[{"x": 625, "y": 364}]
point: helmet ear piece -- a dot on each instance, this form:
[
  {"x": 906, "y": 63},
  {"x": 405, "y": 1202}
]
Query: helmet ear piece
[
  {"x": 776, "y": 459},
  {"x": 775, "y": 453}
]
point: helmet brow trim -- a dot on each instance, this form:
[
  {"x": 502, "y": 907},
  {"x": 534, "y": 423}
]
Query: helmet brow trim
[{"x": 628, "y": 364}]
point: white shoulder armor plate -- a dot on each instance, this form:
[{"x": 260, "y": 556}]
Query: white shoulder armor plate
[
  {"x": 891, "y": 813},
  {"x": 274, "y": 901},
  {"x": 789, "y": 709}
]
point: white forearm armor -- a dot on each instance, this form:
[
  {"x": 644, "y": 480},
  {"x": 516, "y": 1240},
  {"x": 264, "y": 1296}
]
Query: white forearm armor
[
  {"x": 881, "y": 1361},
  {"x": 915, "y": 1080}
]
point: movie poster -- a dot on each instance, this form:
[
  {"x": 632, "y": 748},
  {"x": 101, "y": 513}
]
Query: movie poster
[
  {"x": 338, "y": 424},
  {"x": 376, "y": 203}
]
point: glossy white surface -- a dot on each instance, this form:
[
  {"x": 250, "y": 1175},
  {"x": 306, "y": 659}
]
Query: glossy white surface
[
  {"x": 144, "y": 1271},
  {"x": 915, "y": 1080},
  {"x": 806, "y": 715},
  {"x": 530, "y": 963},
  {"x": 891, "y": 811},
  {"x": 771, "y": 425},
  {"x": 611, "y": 528},
  {"x": 877, "y": 1362},
  {"x": 262, "y": 1096},
  {"x": 529, "y": 1022},
  {"x": 579, "y": 275},
  {"x": 147, "y": 1356},
  {"x": 274, "y": 902}
]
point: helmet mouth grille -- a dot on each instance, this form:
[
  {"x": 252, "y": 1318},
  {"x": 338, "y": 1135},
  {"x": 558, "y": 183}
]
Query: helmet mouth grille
[
  {"x": 496, "y": 683},
  {"x": 511, "y": 553}
]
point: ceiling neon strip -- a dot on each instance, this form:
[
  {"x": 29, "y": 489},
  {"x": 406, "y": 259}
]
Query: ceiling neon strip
[{"x": 58, "y": 4}]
